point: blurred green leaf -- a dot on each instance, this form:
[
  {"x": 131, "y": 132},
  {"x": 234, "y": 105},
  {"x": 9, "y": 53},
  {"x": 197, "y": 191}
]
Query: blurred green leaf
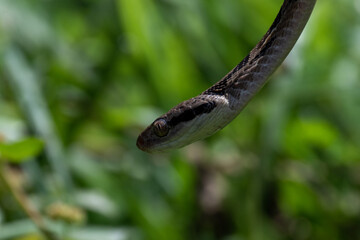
[
  {"x": 304, "y": 135},
  {"x": 22, "y": 150},
  {"x": 87, "y": 76},
  {"x": 297, "y": 198}
]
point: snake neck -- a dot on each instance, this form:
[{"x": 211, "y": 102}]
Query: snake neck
[{"x": 250, "y": 75}]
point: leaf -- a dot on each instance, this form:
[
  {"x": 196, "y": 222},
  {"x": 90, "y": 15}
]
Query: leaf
[{"x": 22, "y": 150}]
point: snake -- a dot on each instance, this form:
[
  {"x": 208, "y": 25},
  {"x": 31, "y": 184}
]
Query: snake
[{"x": 207, "y": 113}]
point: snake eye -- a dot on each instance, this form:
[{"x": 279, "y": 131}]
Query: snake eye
[{"x": 161, "y": 128}]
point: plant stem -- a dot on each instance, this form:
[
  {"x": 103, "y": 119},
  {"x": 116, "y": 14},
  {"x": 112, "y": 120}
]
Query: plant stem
[{"x": 7, "y": 176}]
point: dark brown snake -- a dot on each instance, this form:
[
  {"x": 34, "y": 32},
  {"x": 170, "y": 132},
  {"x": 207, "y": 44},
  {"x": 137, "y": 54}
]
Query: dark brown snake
[{"x": 205, "y": 114}]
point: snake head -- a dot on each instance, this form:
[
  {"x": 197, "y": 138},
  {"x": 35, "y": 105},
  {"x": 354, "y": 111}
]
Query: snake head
[{"x": 191, "y": 120}]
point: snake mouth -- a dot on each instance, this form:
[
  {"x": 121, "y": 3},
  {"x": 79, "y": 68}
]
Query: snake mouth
[{"x": 146, "y": 145}]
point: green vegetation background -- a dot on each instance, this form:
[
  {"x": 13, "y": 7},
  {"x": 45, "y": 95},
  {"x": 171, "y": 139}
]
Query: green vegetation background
[{"x": 85, "y": 77}]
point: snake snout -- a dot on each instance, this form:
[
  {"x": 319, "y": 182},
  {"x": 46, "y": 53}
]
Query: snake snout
[{"x": 140, "y": 143}]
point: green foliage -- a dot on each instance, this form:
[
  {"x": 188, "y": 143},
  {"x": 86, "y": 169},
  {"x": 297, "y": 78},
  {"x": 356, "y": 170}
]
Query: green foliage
[
  {"x": 21, "y": 150},
  {"x": 87, "y": 76}
]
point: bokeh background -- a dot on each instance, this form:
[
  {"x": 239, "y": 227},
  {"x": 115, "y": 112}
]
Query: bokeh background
[{"x": 79, "y": 80}]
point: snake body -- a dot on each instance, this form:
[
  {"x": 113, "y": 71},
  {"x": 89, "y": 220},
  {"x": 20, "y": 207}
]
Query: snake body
[{"x": 205, "y": 114}]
